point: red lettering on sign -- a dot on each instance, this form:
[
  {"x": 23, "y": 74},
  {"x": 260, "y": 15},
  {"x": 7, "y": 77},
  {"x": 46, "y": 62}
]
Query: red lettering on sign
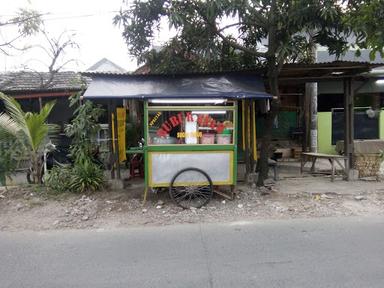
[
  {"x": 166, "y": 126},
  {"x": 171, "y": 123},
  {"x": 180, "y": 117},
  {"x": 161, "y": 133},
  {"x": 174, "y": 121}
]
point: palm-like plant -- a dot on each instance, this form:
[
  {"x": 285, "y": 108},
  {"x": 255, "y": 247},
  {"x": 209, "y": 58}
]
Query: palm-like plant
[{"x": 31, "y": 129}]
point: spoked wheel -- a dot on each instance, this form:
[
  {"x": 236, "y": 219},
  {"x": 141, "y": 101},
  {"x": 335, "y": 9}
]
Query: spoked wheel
[{"x": 191, "y": 187}]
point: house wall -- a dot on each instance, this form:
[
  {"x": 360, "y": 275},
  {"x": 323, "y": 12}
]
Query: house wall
[
  {"x": 283, "y": 127},
  {"x": 61, "y": 113},
  {"x": 324, "y": 133},
  {"x": 324, "y": 140},
  {"x": 381, "y": 124},
  {"x": 367, "y": 94}
]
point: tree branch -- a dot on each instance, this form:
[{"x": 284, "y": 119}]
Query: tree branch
[
  {"x": 229, "y": 26},
  {"x": 21, "y": 20},
  {"x": 232, "y": 43},
  {"x": 238, "y": 46},
  {"x": 8, "y": 43},
  {"x": 262, "y": 21}
]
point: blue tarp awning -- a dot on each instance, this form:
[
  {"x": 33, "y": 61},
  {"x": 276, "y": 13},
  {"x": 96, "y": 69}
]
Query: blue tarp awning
[{"x": 109, "y": 86}]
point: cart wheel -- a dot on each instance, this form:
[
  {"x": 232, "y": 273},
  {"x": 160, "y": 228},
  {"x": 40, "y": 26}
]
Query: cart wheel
[{"x": 191, "y": 195}]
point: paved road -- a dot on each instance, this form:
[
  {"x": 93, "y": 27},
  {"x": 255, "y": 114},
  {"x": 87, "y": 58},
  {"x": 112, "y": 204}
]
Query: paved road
[{"x": 347, "y": 252}]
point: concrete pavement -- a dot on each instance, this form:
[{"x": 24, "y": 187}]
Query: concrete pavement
[{"x": 326, "y": 252}]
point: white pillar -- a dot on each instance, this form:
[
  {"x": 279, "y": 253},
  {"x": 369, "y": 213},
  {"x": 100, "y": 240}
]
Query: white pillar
[{"x": 311, "y": 90}]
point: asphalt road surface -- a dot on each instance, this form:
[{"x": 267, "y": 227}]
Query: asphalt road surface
[{"x": 332, "y": 252}]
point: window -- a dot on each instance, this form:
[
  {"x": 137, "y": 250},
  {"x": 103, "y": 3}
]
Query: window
[{"x": 190, "y": 126}]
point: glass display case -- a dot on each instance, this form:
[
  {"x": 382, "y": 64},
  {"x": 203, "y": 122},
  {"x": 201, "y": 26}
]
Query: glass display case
[{"x": 190, "y": 126}]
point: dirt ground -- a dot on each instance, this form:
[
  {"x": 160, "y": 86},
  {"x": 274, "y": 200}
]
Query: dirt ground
[{"x": 28, "y": 208}]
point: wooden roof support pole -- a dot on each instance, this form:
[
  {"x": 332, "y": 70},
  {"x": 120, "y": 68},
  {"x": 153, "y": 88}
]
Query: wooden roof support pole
[
  {"x": 246, "y": 130},
  {"x": 116, "y": 154},
  {"x": 306, "y": 120},
  {"x": 348, "y": 124},
  {"x": 40, "y": 104},
  {"x": 352, "y": 121},
  {"x": 111, "y": 155},
  {"x": 252, "y": 131},
  {"x": 346, "y": 128}
]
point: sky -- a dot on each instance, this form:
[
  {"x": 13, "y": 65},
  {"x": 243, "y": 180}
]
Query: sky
[{"x": 90, "y": 20}]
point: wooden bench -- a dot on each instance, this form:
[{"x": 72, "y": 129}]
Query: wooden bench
[{"x": 310, "y": 156}]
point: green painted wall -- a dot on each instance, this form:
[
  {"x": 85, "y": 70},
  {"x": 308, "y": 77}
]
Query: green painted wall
[
  {"x": 381, "y": 125},
  {"x": 286, "y": 121},
  {"x": 324, "y": 133}
]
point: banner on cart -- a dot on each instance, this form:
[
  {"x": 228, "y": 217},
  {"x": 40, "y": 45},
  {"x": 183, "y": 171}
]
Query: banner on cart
[{"x": 164, "y": 165}]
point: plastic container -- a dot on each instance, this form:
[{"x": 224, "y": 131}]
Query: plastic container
[
  {"x": 223, "y": 139},
  {"x": 208, "y": 138},
  {"x": 191, "y": 132}
]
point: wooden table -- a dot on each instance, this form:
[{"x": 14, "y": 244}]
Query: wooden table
[{"x": 310, "y": 156}]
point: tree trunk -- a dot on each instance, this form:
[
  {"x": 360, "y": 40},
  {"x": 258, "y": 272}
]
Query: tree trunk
[
  {"x": 36, "y": 168},
  {"x": 135, "y": 117},
  {"x": 266, "y": 140},
  {"x": 274, "y": 67}
]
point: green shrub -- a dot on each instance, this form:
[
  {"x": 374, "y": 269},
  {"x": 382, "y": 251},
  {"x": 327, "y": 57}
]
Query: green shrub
[
  {"x": 30, "y": 129},
  {"x": 10, "y": 153},
  {"x": 7, "y": 165},
  {"x": 58, "y": 179},
  {"x": 86, "y": 176}
]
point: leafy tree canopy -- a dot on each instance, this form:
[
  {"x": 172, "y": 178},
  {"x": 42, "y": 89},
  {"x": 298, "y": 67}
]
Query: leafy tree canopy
[
  {"x": 26, "y": 21},
  {"x": 366, "y": 20},
  {"x": 29, "y": 130},
  {"x": 230, "y": 34},
  {"x": 227, "y": 34}
]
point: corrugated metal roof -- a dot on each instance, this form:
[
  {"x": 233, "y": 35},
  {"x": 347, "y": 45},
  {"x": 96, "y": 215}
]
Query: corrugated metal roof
[
  {"x": 27, "y": 81},
  {"x": 301, "y": 73},
  {"x": 350, "y": 56},
  {"x": 260, "y": 71},
  {"x": 205, "y": 73},
  {"x": 336, "y": 63}
]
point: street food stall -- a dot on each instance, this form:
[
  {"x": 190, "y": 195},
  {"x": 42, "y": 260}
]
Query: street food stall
[
  {"x": 190, "y": 128},
  {"x": 190, "y": 147}
]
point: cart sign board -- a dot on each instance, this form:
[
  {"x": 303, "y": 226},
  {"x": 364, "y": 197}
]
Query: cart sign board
[{"x": 164, "y": 165}]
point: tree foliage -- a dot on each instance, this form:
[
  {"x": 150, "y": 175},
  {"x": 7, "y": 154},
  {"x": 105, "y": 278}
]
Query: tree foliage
[
  {"x": 27, "y": 22},
  {"x": 248, "y": 33},
  {"x": 11, "y": 152},
  {"x": 206, "y": 30},
  {"x": 28, "y": 129},
  {"x": 366, "y": 21},
  {"x": 83, "y": 128},
  {"x": 85, "y": 173}
]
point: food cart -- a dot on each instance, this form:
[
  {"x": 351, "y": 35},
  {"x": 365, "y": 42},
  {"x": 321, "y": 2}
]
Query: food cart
[
  {"x": 190, "y": 146},
  {"x": 190, "y": 128}
]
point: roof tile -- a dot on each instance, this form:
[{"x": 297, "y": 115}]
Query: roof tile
[{"x": 41, "y": 81}]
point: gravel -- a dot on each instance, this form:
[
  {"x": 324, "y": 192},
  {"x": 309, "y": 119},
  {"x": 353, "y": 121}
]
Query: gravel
[{"x": 22, "y": 208}]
